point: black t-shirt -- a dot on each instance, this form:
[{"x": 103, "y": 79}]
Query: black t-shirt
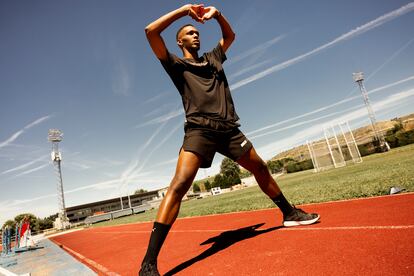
[{"x": 204, "y": 89}]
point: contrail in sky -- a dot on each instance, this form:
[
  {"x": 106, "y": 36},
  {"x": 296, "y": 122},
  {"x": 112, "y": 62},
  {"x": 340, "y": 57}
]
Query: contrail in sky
[
  {"x": 390, "y": 58},
  {"x": 351, "y": 34},
  {"x": 20, "y": 132},
  {"x": 163, "y": 118},
  {"x": 31, "y": 170},
  {"x": 302, "y": 135},
  {"x": 329, "y": 106},
  {"x": 355, "y": 32},
  {"x": 134, "y": 163},
  {"x": 28, "y": 164},
  {"x": 138, "y": 170},
  {"x": 255, "y": 50},
  {"x": 305, "y": 122}
]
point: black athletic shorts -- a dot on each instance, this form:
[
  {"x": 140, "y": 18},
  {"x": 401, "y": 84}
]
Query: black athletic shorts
[{"x": 206, "y": 143}]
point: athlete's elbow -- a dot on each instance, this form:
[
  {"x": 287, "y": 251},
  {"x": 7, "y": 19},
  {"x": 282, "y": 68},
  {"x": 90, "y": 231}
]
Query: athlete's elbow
[
  {"x": 230, "y": 37},
  {"x": 233, "y": 36},
  {"x": 150, "y": 34},
  {"x": 151, "y": 29},
  {"x": 148, "y": 30}
]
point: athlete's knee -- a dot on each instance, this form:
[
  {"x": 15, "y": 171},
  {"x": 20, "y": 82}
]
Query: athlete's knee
[
  {"x": 179, "y": 186},
  {"x": 260, "y": 167}
]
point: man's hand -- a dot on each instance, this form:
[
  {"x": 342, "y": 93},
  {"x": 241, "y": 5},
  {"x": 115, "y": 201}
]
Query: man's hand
[
  {"x": 208, "y": 13},
  {"x": 196, "y": 12}
]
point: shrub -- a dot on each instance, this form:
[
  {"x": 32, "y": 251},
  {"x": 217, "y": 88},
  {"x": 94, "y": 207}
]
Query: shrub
[
  {"x": 366, "y": 149},
  {"x": 291, "y": 167},
  {"x": 196, "y": 188},
  {"x": 306, "y": 165},
  {"x": 207, "y": 185},
  {"x": 275, "y": 166}
]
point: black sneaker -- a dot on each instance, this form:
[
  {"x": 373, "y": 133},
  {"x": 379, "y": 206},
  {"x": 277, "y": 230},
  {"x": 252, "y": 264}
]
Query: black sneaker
[
  {"x": 149, "y": 269},
  {"x": 299, "y": 217}
]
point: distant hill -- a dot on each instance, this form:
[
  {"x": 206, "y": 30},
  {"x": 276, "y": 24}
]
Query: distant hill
[{"x": 362, "y": 135}]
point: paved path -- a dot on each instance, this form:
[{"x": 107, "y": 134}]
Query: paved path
[{"x": 48, "y": 260}]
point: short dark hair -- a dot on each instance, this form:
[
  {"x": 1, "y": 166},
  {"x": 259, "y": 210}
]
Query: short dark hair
[{"x": 180, "y": 29}]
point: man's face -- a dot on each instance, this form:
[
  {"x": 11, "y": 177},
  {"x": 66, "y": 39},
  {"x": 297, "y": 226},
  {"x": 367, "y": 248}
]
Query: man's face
[{"x": 189, "y": 38}]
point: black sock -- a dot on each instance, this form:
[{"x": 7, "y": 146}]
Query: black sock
[
  {"x": 158, "y": 235},
  {"x": 283, "y": 204}
]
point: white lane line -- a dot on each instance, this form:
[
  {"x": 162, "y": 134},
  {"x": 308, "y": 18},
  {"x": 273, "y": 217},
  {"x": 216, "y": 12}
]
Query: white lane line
[
  {"x": 92, "y": 263},
  {"x": 302, "y": 228},
  {"x": 372, "y": 227},
  {"x": 6, "y": 272}
]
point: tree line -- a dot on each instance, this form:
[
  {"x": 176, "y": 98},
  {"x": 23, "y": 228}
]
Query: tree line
[
  {"x": 231, "y": 174},
  {"x": 395, "y": 137},
  {"x": 36, "y": 224}
]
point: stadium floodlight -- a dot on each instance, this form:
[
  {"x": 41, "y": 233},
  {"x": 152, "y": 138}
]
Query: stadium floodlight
[
  {"x": 358, "y": 76},
  {"x": 55, "y": 136}
]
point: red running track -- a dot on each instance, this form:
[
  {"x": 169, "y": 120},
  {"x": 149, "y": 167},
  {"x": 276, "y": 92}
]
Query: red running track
[{"x": 372, "y": 236}]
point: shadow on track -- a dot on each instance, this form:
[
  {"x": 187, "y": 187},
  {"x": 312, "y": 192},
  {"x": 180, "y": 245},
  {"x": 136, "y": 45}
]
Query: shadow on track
[{"x": 222, "y": 241}]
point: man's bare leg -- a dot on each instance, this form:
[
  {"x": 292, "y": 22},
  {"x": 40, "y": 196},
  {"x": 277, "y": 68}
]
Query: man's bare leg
[
  {"x": 252, "y": 162},
  {"x": 187, "y": 167},
  {"x": 291, "y": 215}
]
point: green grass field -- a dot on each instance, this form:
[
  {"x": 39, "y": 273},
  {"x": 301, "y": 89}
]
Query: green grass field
[{"x": 374, "y": 176}]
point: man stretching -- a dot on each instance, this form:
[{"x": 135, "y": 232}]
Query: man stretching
[{"x": 211, "y": 122}]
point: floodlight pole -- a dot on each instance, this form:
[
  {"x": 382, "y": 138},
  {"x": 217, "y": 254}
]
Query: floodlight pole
[
  {"x": 359, "y": 79},
  {"x": 55, "y": 136}
]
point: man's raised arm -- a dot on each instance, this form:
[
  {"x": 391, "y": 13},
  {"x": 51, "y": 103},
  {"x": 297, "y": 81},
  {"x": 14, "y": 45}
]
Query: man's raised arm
[
  {"x": 154, "y": 29},
  {"x": 227, "y": 31}
]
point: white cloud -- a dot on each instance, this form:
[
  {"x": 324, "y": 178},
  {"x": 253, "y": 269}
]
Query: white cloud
[
  {"x": 76, "y": 161},
  {"x": 304, "y": 122},
  {"x": 249, "y": 68},
  {"x": 138, "y": 170},
  {"x": 392, "y": 57},
  {"x": 265, "y": 128},
  {"x": 164, "y": 118},
  {"x": 31, "y": 170},
  {"x": 156, "y": 97},
  {"x": 12, "y": 138},
  {"x": 258, "y": 49},
  {"x": 351, "y": 34},
  {"x": 391, "y": 85},
  {"x": 298, "y": 138},
  {"x": 133, "y": 164},
  {"x": 162, "y": 108},
  {"x": 167, "y": 162},
  {"x": 25, "y": 165}
]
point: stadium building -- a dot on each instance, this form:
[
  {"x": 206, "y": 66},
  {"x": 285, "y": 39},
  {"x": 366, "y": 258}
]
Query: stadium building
[{"x": 78, "y": 214}]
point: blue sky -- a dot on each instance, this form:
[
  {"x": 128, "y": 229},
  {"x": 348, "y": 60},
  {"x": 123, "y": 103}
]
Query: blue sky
[{"x": 86, "y": 68}]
